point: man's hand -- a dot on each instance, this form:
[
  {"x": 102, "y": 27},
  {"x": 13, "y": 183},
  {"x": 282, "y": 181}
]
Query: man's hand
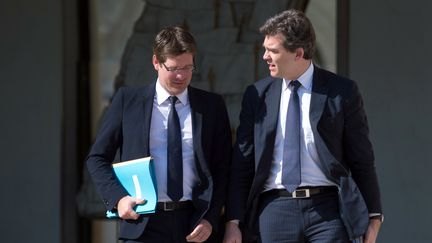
[
  {"x": 372, "y": 231},
  {"x": 232, "y": 233},
  {"x": 201, "y": 232},
  {"x": 125, "y": 207}
]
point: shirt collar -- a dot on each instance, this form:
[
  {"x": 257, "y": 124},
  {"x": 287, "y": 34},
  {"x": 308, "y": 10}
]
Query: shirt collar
[
  {"x": 305, "y": 79},
  {"x": 162, "y": 95}
]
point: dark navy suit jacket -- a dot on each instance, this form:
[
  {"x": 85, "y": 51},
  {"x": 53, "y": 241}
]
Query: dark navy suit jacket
[
  {"x": 340, "y": 130},
  {"x": 126, "y": 126}
]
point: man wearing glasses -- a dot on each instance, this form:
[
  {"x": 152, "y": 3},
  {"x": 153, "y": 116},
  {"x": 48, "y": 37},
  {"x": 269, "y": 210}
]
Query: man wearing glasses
[{"x": 185, "y": 130}]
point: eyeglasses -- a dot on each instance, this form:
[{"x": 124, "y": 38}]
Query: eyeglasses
[{"x": 179, "y": 70}]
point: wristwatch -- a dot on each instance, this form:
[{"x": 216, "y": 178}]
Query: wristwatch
[{"x": 380, "y": 217}]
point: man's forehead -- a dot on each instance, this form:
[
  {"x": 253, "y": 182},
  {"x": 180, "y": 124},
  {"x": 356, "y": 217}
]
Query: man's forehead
[
  {"x": 185, "y": 57},
  {"x": 273, "y": 41}
]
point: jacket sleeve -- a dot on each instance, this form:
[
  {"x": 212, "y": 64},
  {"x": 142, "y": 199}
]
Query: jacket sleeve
[
  {"x": 243, "y": 162},
  {"x": 219, "y": 164},
  {"x": 358, "y": 151},
  {"x": 99, "y": 161}
]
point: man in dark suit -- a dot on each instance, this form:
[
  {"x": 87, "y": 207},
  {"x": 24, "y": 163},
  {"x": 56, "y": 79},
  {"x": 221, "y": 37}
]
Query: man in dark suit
[
  {"x": 185, "y": 130},
  {"x": 303, "y": 166}
]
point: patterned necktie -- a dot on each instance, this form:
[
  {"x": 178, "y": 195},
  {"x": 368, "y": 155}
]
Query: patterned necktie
[
  {"x": 291, "y": 171},
  {"x": 174, "y": 154}
]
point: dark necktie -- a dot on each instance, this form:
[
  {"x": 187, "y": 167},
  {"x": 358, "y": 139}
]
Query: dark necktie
[
  {"x": 291, "y": 171},
  {"x": 175, "y": 159}
]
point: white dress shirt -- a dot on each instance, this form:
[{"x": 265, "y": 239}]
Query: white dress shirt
[
  {"x": 311, "y": 174},
  {"x": 158, "y": 141}
]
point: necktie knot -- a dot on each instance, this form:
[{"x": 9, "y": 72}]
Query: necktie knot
[
  {"x": 294, "y": 85},
  {"x": 173, "y": 99}
]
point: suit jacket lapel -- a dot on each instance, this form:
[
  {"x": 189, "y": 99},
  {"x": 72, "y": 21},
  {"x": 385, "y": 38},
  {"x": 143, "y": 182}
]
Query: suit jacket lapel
[
  {"x": 148, "y": 97},
  {"x": 270, "y": 112},
  {"x": 197, "y": 115},
  {"x": 318, "y": 98}
]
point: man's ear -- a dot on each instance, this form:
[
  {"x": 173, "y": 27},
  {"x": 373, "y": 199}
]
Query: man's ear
[
  {"x": 299, "y": 53},
  {"x": 155, "y": 63}
]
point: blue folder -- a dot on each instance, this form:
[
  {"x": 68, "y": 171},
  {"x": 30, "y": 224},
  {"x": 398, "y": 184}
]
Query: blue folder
[{"x": 137, "y": 177}]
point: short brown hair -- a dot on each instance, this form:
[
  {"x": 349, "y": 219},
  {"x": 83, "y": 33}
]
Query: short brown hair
[
  {"x": 173, "y": 41},
  {"x": 295, "y": 27}
]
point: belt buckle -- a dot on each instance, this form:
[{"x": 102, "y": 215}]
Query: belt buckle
[
  {"x": 165, "y": 208},
  {"x": 301, "y": 193}
]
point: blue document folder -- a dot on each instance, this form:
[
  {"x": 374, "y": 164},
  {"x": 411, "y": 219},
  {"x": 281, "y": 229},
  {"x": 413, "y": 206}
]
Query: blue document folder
[{"x": 137, "y": 177}]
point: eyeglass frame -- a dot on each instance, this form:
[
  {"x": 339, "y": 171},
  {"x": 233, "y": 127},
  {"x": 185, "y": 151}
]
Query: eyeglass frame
[{"x": 179, "y": 70}]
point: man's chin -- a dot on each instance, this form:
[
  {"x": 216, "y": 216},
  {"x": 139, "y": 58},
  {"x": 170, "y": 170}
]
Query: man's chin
[{"x": 274, "y": 75}]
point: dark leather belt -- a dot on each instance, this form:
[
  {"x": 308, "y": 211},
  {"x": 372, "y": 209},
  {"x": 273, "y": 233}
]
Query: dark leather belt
[
  {"x": 305, "y": 192},
  {"x": 172, "y": 206}
]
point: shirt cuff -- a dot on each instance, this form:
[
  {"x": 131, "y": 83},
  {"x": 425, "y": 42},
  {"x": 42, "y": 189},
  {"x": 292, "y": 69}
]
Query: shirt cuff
[{"x": 235, "y": 221}]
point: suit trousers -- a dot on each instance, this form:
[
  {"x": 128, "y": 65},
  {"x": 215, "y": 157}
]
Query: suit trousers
[
  {"x": 167, "y": 227},
  {"x": 300, "y": 220}
]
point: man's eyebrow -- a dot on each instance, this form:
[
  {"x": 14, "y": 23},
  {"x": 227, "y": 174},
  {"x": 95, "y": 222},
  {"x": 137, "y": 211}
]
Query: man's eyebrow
[{"x": 269, "y": 48}]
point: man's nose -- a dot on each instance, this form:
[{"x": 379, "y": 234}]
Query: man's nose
[
  {"x": 180, "y": 75},
  {"x": 266, "y": 56}
]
